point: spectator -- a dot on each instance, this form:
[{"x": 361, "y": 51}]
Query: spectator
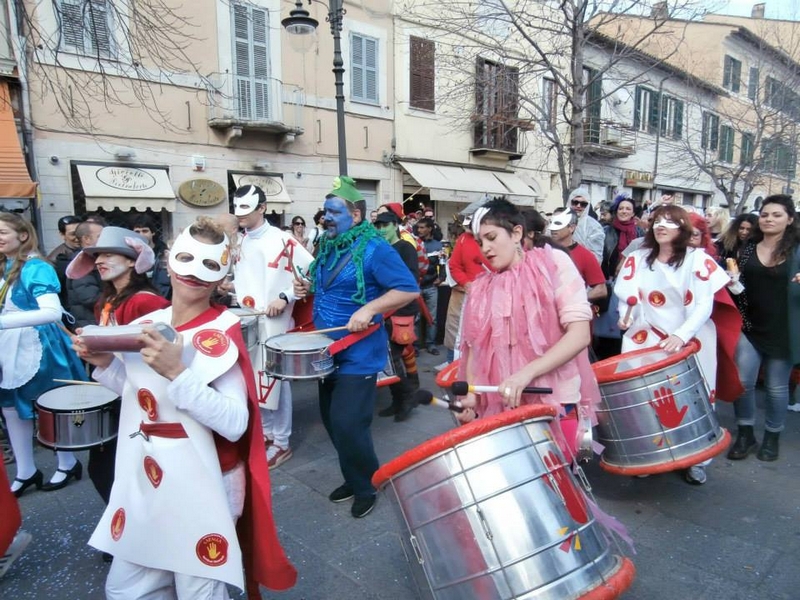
[
  {"x": 158, "y": 275},
  {"x": 83, "y": 293},
  {"x": 589, "y": 232},
  {"x": 562, "y": 230},
  {"x": 62, "y": 254},
  {"x": 429, "y": 283}
]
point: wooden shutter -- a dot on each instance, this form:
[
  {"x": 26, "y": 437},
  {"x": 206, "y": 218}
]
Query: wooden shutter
[
  {"x": 71, "y": 16},
  {"x": 479, "y": 130},
  {"x": 510, "y": 109},
  {"x": 364, "y": 67},
  {"x": 655, "y": 113},
  {"x": 422, "y": 69},
  {"x": 241, "y": 44},
  {"x": 727, "y": 71},
  {"x": 260, "y": 73},
  {"x": 677, "y": 129},
  {"x": 736, "y": 75},
  {"x": 637, "y": 108},
  {"x": 96, "y": 23},
  {"x": 251, "y": 56}
]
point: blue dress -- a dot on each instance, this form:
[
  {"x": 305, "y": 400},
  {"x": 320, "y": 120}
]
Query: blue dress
[{"x": 31, "y": 357}]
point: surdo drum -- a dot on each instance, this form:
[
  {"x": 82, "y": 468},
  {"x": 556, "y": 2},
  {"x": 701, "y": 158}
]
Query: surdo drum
[
  {"x": 76, "y": 417},
  {"x": 655, "y": 415},
  {"x": 298, "y": 356},
  {"x": 494, "y": 512}
]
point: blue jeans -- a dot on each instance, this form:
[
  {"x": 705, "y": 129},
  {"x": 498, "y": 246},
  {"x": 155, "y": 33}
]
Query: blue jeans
[
  {"x": 776, "y": 379},
  {"x": 346, "y": 404},
  {"x": 431, "y": 297}
]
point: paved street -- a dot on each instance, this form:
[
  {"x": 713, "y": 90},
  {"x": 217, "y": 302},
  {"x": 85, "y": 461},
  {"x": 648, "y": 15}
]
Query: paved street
[{"x": 737, "y": 537}]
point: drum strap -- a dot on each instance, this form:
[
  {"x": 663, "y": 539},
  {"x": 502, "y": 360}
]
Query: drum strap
[{"x": 164, "y": 430}]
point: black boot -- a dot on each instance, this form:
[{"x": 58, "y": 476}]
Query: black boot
[
  {"x": 745, "y": 443},
  {"x": 769, "y": 448},
  {"x": 405, "y": 410},
  {"x": 392, "y": 409}
]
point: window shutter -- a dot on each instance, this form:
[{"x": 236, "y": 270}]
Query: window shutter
[
  {"x": 663, "y": 115},
  {"x": 241, "y": 37},
  {"x": 71, "y": 16},
  {"x": 422, "y": 74},
  {"x": 637, "y": 109},
  {"x": 726, "y": 72},
  {"x": 752, "y": 83},
  {"x": 655, "y": 119},
  {"x": 736, "y": 75},
  {"x": 714, "y": 134},
  {"x": 480, "y": 102},
  {"x": 371, "y": 70},
  {"x": 260, "y": 49},
  {"x": 677, "y": 131},
  {"x": 510, "y": 108},
  {"x": 357, "y": 62},
  {"x": 96, "y": 15}
]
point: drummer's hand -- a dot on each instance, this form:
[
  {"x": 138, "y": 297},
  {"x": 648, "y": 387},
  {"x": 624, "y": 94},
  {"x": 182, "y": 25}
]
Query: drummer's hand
[
  {"x": 276, "y": 307},
  {"x": 672, "y": 344},
  {"x": 301, "y": 287},
  {"x": 360, "y": 320},
  {"x": 623, "y": 324},
  {"x": 468, "y": 402},
  {"x": 162, "y": 356},
  {"x": 511, "y": 388},
  {"x": 98, "y": 359}
]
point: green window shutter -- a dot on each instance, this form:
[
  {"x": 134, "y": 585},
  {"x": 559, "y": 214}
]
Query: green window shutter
[
  {"x": 677, "y": 130},
  {"x": 637, "y": 109},
  {"x": 655, "y": 113}
]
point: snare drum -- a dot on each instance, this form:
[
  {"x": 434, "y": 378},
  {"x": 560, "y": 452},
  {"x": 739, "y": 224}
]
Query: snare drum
[
  {"x": 298, "y": 356},
  {"x": 77, "y": 417},
  {"x": 655, "y": 415},
  {"x": 249, "y": 323},
  {"x": 493, "y": 511}
]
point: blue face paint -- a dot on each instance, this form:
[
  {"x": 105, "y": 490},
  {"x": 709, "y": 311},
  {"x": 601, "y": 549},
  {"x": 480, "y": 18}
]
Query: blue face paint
[{"x": 337, "y": 219}]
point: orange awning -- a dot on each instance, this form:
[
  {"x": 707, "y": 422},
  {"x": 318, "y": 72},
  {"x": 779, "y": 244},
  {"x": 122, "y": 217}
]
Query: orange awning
[{"x": 15, "y": 182}]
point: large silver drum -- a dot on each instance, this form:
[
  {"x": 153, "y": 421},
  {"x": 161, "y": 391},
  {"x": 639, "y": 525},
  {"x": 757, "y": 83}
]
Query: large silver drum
[
  {"x": 494, "y": 512},
  {"x": 249, "y": 323},
  {"x": 656, "y": 414},
  {"x": 76, "y": 417},
  {"x": 298, "y": 356}
]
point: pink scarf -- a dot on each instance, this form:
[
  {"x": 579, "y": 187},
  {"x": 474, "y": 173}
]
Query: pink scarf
[{"x": 510, "y": 319}]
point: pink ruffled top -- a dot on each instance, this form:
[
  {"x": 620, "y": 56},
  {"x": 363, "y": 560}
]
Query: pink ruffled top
[{"x": 514, "y": 317}]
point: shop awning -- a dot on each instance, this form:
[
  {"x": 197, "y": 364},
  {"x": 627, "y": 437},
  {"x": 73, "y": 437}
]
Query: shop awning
[
  {"x": 272, "y": 185},
  {"x": 113, "y": 186},
  {"x": 463, "y": 184},
  {"x": 15, "y": 181}
]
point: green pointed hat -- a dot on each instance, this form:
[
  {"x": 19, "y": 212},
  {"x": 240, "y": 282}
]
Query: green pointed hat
[{"x": 344, "y": 187}]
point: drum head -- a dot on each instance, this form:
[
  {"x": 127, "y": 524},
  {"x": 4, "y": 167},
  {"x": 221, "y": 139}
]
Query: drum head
[
  {"x": 630, "y": 365},
  {"x": 299, "y": 341},
  {"x": 69, "y": 398}
]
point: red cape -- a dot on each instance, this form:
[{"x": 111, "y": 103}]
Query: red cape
[
  {"x": 10, "y": 517},
  {"x": 265, "y": 562},
  {"x": 728, "y": 322}
]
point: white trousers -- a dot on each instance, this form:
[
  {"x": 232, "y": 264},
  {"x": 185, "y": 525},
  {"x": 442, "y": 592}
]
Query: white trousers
[
  {"x": 129, "y": 581},
  {"x": 277, "y": 424}
]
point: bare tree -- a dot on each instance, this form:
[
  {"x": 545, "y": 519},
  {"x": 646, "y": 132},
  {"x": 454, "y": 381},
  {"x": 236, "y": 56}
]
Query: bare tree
[
  {"x": 539, "y": 41},
  {"x": 91, "y": 56}
]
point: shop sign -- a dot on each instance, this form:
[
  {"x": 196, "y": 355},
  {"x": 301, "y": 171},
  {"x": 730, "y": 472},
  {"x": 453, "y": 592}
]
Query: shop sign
[{"x": 640, "y": 179}]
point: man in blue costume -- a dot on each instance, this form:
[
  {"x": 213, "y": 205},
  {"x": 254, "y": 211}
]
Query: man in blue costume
[{"x": 356, "y": 278}]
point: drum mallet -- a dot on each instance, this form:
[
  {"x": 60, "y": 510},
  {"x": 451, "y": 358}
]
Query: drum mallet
[
  {"x": 462, "y": 388},
  {"x": 632, "y": 301},
  {"x": 427, "y": 398}
]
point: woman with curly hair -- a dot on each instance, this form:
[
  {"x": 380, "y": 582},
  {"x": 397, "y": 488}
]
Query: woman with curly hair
[
  {"x": 35, "y": 350},
  {"x": 735, "y": 237}
]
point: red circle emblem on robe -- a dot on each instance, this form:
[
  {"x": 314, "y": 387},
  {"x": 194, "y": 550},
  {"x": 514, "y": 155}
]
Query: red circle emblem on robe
[
  {"x": 249, "y": 302},
  {"x": 639, "y": 337},
  {"x": 153, "y": 471},
  {"x": 212, "y": 550},
  {"x": 118, "y": 524},
  {"x": 147, "y": 401},
  {"x": 687, "y": 300},
  {"x": 656, "y": 298},
  {"x": 211, "y": 342}
]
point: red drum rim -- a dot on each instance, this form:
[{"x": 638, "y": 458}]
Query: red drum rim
[
  {"x": 673, "y": 465},
  {"x": 605, "y": 370},
  {"x": 615, "y": 584},
  {"x": 446, "y": 377},
  {"x": 449, "y": 439}
]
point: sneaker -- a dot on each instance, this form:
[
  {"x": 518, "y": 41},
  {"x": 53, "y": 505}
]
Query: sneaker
[
  {"x": 442, "y": 366},
  {"x": 276, "y": 456},
  {"x": 363, "y": 506},
  {"x": 17, "y": 547},
  {"x": 433, "y": 350},
  {"x": 794, "y": 407},
  {"x": 341, "y": 494},
  {"x": 695, "y": 475}
]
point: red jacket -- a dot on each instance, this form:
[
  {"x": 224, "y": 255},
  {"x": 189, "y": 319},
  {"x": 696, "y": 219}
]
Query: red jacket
[{"x": 467, "y": 260}]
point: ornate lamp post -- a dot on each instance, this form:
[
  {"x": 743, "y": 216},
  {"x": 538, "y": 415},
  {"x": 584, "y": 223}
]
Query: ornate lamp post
[{"x": 299, "y": 22}]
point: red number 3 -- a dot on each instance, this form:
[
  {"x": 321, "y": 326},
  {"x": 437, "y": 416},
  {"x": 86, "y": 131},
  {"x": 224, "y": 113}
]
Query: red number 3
[{"x": 710, "y": 266}]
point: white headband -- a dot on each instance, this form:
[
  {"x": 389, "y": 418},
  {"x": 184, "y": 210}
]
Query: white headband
[
  {"x": 477, "y": 217},
  {"x": 197, "y": 256}
]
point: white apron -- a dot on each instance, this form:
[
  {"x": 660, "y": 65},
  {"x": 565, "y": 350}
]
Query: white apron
[
  {"x": 168, "y": 508},
  {"x": 261, "y": 273}
]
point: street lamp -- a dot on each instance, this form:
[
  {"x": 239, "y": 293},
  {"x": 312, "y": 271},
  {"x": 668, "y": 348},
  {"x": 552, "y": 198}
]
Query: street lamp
[{"x": 299, "y": 22}]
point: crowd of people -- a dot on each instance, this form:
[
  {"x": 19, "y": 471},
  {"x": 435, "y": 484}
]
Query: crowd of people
[{"x": 531, "y": 300}]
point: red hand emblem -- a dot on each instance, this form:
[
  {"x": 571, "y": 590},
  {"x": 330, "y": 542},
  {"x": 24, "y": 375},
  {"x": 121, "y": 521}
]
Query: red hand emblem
[
  {"x": 667, "y": 409},
  {"x": 570, "y": 495}
]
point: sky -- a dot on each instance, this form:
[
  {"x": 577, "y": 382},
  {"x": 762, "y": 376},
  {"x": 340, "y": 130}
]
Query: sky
[{"x": 776, "y": 9}]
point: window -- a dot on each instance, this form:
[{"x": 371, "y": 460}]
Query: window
[
  {"x": 251, "y": 58},
  {"x": 422, "y": 66},
  {"x": 779, "y": 96},
  {"x": 593, "y": 80},
  {"x": 496, "y": 106},
  {"x": 732, "y": 74},
  {"x": 748, "y": 147},
  {"x": 645, "y": 114},
  {"x": 709, "y": 135},
  {"x": 549, "y": 106},
  {"x": 364, "y": 69},
  {"x": 85, "y": 27},
  {"x": 752, "y": 84},
  {"x": 671, "y": 117},
  {"x": 726, "y": 137},
  {"x": 779, "y": 159}
]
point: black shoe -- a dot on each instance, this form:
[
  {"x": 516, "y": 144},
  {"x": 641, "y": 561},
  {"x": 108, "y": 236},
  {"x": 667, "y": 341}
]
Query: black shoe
[
  {"x": 340, "y": 494},
  {"x": 769, "y": 448},
  {"x": 362, "y": 506},
  {"x": 745, "y": 443},
  {"x": 389, "y": 411},
  {"x": 433, "y": 350},
  {"x": 404, "y": 412},
  {"x": 35, "y": 479},
  {"x": 76, "y": 471}
]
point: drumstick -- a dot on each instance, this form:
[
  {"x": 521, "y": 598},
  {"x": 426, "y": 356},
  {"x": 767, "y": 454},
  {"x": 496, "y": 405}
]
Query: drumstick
[
  {"x": 291, "y": 261},
  {"x": 76, "y": 381},
  {"x": 462, "y": 388},
  {"x": 427, "y": 398},
  {"x": 632, "y": 301},
  {"x": 328, "y": 330}
]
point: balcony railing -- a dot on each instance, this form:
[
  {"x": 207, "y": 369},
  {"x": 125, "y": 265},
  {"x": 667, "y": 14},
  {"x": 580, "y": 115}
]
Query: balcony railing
[
  {"x": 270, "y": 105},
  {"x": 607, "y": 138},
  {"x": 499, "y": 134}
]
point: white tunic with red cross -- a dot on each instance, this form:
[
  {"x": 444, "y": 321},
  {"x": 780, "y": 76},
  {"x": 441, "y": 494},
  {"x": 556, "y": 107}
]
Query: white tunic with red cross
[
  {"x": 168, "y": 507},
  {"x": 672, "y": 301},
  {"x": 262, "y": 272}
]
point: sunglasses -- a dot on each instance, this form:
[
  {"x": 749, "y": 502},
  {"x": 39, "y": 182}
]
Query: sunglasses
[
  {"x": 299, "y": 223},
  {"x": 581, "y": 203}
]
